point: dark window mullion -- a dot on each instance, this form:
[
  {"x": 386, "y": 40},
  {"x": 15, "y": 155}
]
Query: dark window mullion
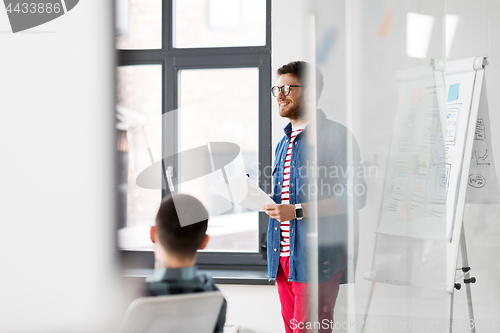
[
  {"x": 265, "y": 139},
  {"x": 230, "y": 258},
  {"x": 167, "y": 25},
  {"x": 170, "y": 131},
  {"x": 218, "y": 61},
  {"x": 140, "y": 57},
  {"x": 245, "y": 50}
]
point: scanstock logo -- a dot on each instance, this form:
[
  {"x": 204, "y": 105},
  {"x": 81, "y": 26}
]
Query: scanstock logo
[{"x": 26, "y": 14}]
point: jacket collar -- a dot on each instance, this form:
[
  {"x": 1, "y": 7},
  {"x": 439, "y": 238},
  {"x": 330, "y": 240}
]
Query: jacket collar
[
  {"x": 320, "y": 121},
  {"x": 166, "y": 274}
]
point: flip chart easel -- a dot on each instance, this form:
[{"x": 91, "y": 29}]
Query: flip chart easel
[{"x": 441, "y": 117}]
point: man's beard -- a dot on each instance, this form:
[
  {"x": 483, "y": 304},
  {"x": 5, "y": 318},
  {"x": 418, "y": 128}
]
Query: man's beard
[{"x": 294, "y": 112}]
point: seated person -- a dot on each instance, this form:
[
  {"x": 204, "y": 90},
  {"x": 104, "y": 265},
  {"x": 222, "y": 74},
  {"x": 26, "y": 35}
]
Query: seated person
[{"x": 176, "y": 246}]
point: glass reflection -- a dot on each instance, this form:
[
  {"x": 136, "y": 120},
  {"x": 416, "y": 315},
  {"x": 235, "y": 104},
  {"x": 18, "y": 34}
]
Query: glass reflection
[
  {"x": 138, "y": 108},
  {"x": 138, "y": 24},
  {"x": 221, "y": 105}
]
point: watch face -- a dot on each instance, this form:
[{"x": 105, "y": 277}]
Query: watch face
[{"x": 299, "y": 212}]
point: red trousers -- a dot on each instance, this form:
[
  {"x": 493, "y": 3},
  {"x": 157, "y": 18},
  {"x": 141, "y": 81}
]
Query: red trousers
[{"x": 294, "y": 299}]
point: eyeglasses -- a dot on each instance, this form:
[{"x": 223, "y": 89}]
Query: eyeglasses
[{"x": 285, "y": 90}]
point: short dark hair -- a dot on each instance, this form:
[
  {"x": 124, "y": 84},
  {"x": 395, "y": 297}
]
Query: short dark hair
[
  {"x": 181, "y": 241},
  {"x": 299, "y": 70}
]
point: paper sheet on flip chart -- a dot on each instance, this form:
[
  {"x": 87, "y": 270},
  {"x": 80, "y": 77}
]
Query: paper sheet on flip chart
[{"x": 242, "y": 191}]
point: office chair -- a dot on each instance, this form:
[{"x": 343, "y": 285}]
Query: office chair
[{"x": 186, "y": 313}]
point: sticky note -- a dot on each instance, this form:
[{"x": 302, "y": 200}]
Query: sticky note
[
  {"x": 415, "y": 97},
  {"x": 386, "y": 24},
  {"x": 453, "y": 92}
]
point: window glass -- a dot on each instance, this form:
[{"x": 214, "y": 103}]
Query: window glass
[
  {"x": 222, "y": 105},
  {"x": 138, "y": 24},
  {"x": 139, "y": 98},
  {"x": 219, "y": 23}
]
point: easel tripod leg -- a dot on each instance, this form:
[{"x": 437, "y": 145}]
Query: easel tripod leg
[
  {"x": 467, "y": 281},
  {"x": 467, "y": 277},
  {"x": 372, "y": 289},
  {"x": 451, "y": 312}
]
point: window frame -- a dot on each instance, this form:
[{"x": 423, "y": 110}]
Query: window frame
[{"x": 174, "y": 59}]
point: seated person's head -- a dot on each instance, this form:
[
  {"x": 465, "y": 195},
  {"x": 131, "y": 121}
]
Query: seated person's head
[{"x": 180, "y": 230}]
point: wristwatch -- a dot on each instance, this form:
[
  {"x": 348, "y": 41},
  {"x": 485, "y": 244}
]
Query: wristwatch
[{"x": 299, "y": 212}]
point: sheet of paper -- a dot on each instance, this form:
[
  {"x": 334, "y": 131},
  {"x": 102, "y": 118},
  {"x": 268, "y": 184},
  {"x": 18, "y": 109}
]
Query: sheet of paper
[
  {"x": 242, "y": 191},
  {"x": 453, "y": 92},
  {"x": 483, "y": 182},
  {"x": 414, "y": 194}
]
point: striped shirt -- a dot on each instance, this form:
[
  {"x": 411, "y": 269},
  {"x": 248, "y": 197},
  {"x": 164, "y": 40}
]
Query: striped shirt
[{"x": 285, "y": 194}]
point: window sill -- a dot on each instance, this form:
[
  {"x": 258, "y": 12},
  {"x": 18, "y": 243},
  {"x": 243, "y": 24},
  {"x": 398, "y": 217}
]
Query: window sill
[{"x": 220, "y": 276}]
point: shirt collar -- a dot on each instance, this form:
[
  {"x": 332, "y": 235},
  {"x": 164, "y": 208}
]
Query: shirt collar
[
  {"x": 300, "y": 127},
  {"x": 165, "y": 274},
  {"x": 288, "y": 128},
  {"x": 320, "y": 119}
]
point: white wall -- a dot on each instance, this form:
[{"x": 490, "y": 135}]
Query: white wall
[
  {"x": 255, "y": 308},
  {"x": 289, "y": 34},
  {"x": 57, "y": 212}
]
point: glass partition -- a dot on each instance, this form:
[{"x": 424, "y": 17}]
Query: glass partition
[{"x": 405, "y": 78}]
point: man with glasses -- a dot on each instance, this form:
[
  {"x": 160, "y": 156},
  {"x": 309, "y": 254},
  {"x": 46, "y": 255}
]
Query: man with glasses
[{"x": 331, "y": 178}]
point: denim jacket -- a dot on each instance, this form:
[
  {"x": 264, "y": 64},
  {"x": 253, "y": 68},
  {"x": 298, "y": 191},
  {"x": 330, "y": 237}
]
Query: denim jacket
[{"x": 332, "y": 181}]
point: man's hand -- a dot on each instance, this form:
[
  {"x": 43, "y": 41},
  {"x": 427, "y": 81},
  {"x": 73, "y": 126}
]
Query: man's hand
[{"x": 281, "y": 212}]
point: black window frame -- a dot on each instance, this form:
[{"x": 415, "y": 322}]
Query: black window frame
[{"x": 174, "y": 59}]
